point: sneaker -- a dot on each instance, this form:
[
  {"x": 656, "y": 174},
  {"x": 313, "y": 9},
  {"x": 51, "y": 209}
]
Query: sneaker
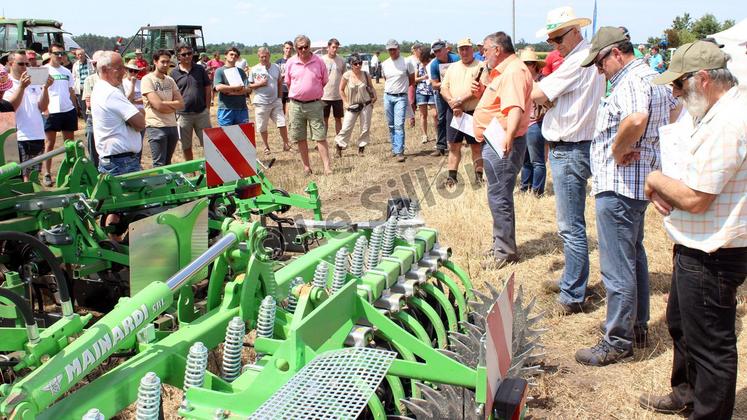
[
  {"x": 47, "y": 180},
  {"x": 424, "y": 139},
  {"x": 640, "y": 335},
  {"x": 602, "y": 354},
  {"x": 401, "y": 157},
  {"x": 449, "y": 182},
  {"x": 664, "y": 404},
  {"x": 438, "y": 153}
]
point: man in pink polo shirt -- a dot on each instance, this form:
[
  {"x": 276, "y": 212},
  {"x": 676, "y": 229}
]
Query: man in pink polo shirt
[{"x": 305, "y": 76}]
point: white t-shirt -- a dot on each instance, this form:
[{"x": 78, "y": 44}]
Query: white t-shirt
[
  {"x": 241, "y": 63},
  {"x": 268, "y": 93},
  {"x": 396, "y": 73},
  {"x": 138, "y": 93},
  {"x": 59, "y": 92},
  {"x": 29, "y": 121},
  {"x": 110, "y": 112}
]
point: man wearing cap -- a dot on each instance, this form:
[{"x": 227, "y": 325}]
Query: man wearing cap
[
  {"x": 141, "y": 63},
  {"x": 507, "y": 99},
  {"x": 306, "y": 75},
  {"x": 624, "y": 151},
  {"x": 82, "y": 68},
  {"x": 456, "y": 90},
  {"x": 29, "y": 101},
  {"x": 478, "y": 53},
  {"x": 706, "y": 209},
  {"x": 399, "y": 75},
  {"x": 196, "y": 89},
  {"x": 572, "y": 94},
  {"x": 438, "y": 66}
]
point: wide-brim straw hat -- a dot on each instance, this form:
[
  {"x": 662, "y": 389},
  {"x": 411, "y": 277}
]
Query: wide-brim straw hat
[
  {"x": 528, "y": 54},
  {"x": 562, "y": 17},
  {"x": 132, "y": 65}
]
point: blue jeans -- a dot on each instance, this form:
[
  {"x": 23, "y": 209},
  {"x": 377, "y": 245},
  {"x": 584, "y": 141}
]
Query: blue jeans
[
  {"x": 441, "y": 107},
  {"x": 570, "y": 173},
  {"x": 120, "y": 165},
  {"x": 227, "y": 116},
  {"x": 624, "y": 267},
  {"x": 501, "y": 176},
  {"x": 534, "y": 172},
  {"x": 90, "y": 141},
  {"x": 395, "y": 108}
]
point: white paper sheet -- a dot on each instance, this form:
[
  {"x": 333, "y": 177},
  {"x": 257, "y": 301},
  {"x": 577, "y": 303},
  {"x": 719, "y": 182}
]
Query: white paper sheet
[
  {"x": 674, "y": 150},
  {"x": 233, "y": 77},
  {"x": 463, "y": 123},
  {"x": 495, "y": 136},
  {"x": 38, "y": 75}
]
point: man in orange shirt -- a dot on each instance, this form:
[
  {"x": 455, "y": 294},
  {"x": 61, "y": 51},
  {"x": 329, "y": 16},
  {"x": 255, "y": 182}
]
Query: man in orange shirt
[{"x": 507, "y": 98}]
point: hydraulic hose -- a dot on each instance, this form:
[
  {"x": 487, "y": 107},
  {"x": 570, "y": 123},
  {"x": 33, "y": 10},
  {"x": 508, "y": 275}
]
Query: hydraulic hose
[
  {"x": 49, "y": 258},
  {"x": 21, "y": 304}
]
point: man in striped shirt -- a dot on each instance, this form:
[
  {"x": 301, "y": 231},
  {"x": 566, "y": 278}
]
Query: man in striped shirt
[
  {"x": 625, "y": 149},
  {"x": 706, "y": 211},
  {"x": 572, "y": 94}
]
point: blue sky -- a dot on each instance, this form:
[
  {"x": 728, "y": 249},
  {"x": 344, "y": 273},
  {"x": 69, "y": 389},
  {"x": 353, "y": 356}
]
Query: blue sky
[{"x": 259, "y": 21}]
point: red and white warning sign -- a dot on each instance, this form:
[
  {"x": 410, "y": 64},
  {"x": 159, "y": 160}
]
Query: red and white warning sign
[
  {"x": 499, "y": 334},
  {"x": 230, "y": 153}
]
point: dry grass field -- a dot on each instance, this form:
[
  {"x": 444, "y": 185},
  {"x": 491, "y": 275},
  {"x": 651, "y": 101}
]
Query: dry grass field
[{"x": 359, "y": 188}]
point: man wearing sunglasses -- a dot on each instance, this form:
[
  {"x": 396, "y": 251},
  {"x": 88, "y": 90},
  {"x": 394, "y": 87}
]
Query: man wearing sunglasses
[
  {"x": 706, "y": 211},
  {"x": 196, "y": 89},
  {"x": 29, "y": 101},
  {"x": 572, "y": 94},
  {"x": 62, "y": 107},
  {"x": 624, "y": 151}
]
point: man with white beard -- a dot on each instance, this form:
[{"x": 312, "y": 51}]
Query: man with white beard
[{"x": 707, "y": 219}]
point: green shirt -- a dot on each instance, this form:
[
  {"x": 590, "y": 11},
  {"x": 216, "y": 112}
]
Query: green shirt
[{"x": 229, "y": 101}]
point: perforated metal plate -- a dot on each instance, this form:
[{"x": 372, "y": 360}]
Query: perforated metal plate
[{"x": 335, "y": 385}]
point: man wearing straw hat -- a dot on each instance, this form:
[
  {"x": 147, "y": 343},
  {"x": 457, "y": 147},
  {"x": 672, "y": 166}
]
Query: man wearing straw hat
[
  {"x": 572, "y": 94},
  {"x": 706, "y": 208},
  {"x": 624, "y": 151}
]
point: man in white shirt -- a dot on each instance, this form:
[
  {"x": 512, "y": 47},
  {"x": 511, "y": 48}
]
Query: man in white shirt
[
  {"x": 375, "y": 66},
  {"x": 264, "y": 79},
  {"x": 116, "y": 121},
  {"x": 62, "y": 106},
  {"x": 572, "y": 94},
  {"x": 29, "y": 102},
  {"x": 399, "y": 75}
]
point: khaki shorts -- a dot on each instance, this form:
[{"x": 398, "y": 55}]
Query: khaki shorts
[
  {"x": 301, "y": 115},
  {"x": 263, "y": 113},
  {"x": 192, "y": 122}
]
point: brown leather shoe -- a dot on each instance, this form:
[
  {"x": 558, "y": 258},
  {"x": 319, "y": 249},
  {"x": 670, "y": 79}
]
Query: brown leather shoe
[
  {"x": 438, "y": 153},
  {"x": 665, "y": 404},
  {"x": 551, "y": 286}
]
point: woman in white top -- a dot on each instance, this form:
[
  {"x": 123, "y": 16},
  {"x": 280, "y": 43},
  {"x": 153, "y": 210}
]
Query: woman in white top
[{"x": 358, "y": 96}]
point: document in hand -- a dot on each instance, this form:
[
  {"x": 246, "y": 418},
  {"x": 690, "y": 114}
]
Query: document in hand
[
  {"x": 495, "y": 137},
  {"x": 463, "y": 123},
  {"x": 674, "y": 149},
  {"x": 38, "y": 75},
  {"x": 233, "y": 77}
]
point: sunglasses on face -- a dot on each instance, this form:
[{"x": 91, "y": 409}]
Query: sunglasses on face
[
  {"x": 302, "y": 47},
  {"x": 21, "y": 64},
  {"x": 58, "y": 53},
  {"x": 132, "y": 70},
  {"x": 680, "y": 83},
  {"x": 558, "y": 39},
  {"x": 600, "y": 61},
  {"x": 356, "y": 63},
  {"x": 185, "y": 54}
]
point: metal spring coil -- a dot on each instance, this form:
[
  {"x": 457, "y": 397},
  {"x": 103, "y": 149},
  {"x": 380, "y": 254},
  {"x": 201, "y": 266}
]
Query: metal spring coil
[
  {"x": 194, "y": 375},
  {"x": 292, "y": 299},
  {"x": 93, "y": 414},
  {"x": 320, "y": 275},
  {"x": 390, "y": 234},
  {"x": 358, "y": 257},
  {"x": 231, "y": 367},
  {"x": 375, "y": 248},
  {"x": 266, "y": 317},
  {"x": 148, "y": 397},
  {"x": 341, "y": 269}
]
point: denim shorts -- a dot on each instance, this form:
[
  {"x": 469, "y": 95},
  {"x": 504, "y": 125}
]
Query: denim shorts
[
  {"x": 120, "y": 164},
  {"x": 421, "y": 99},
  {"x": 227, "y": 116}
]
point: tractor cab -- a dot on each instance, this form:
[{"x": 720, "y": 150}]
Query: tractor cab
[
  {"x": 152, "y": 38},
  {"x": 32, "y": 34}
]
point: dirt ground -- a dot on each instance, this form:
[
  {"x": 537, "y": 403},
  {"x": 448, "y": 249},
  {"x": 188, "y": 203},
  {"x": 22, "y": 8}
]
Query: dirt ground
[{"x": 359, "y": 188}]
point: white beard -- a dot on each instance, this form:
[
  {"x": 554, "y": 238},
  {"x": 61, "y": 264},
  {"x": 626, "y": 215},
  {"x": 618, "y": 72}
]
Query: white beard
[{"x": 696, "y": 103}]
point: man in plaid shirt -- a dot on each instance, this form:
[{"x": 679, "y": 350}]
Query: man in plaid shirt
[
  {"x": 707, "y": 219},
  {"x": 624, "y": 150}
]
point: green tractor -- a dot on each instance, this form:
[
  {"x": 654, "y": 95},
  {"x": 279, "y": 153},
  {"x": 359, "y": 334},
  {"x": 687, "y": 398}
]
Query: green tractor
[
  {"x": 149, "y": 39},
  {"x": 29, "y": 34}
]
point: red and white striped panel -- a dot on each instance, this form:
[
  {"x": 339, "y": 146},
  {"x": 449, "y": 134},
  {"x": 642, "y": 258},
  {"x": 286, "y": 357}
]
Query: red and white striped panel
[
  {"x": 499, "y": 333},
  {"x": 230, "y": 153}
]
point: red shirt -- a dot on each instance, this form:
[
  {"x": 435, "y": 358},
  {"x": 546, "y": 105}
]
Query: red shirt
[
  {"x": 140, "y": 62},
  {"x": 552, "y": 62}
]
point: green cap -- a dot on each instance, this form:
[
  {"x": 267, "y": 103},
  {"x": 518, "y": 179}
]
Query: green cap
[
  {"x": 605, "y": 36},
  {"x": 692, "y": 57}
]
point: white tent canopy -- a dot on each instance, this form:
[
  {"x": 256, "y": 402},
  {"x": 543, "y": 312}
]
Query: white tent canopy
[{"x": 735, "y": 44}]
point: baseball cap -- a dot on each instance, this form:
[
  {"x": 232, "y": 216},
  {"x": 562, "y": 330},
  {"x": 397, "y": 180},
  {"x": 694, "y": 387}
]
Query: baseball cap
[
  {"x": 392, "y": 44},
  {"x": 692, "y": 57},
  {"x": 437, "y": 45},
  {"x": 605, "y": 36},
  {"x": 466, "y": 42}
]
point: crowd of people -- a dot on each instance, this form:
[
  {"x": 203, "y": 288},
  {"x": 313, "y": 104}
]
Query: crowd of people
[{"x": 595, "y": 110}]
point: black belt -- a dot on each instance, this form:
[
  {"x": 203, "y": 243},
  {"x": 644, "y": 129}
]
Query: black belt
[
  {"x": 303, "y": 102},
  {"x": 396, "y": 94},
  {"x": 721, "y": 252},
  {"x": 120, "y": 155},
  {"x": 561, "y": 142}
]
